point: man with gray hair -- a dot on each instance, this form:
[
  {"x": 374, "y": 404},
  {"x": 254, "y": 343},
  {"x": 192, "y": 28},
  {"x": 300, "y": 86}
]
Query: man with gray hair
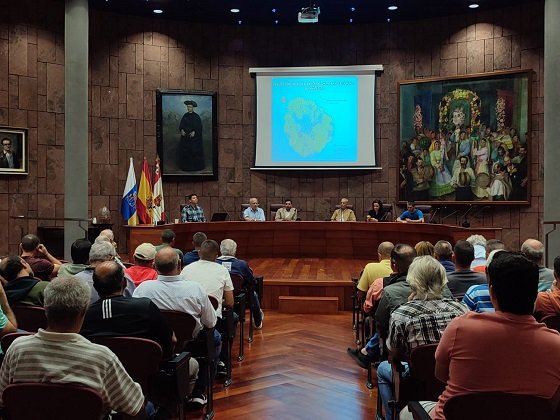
[
  {"x": 102, "y": 251},
  {"x": 193, "y": 256},
  {"x": 60, "y": 355},
  {"x": 228, "y": 248},
  {"x": 534, "y": 251}
]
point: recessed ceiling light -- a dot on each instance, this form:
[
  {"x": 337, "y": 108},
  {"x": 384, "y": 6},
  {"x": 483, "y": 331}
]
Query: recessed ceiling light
[
  {"x": 158, "y": 11},
  {"x": 388, "y": 20},
  {"x": 276, "y": 22},
  {"x": 234, "y": 10},
  {"x": 473, "y": 6},
  {"x": 352, "y": 9},
  {"x": 273, "y": 10},
  {"x": 239, "y": 22},
  {"x": 392, "y": 7},
  {"x": 351, "y": 20}
]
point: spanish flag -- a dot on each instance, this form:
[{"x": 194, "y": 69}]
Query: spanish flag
[
  {"x": 145, "y": 202},
  {"x": 128, "y": 203}
]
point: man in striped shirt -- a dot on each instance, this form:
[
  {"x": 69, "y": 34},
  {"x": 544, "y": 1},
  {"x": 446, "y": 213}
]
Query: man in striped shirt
[{"x": 60, "y": 355}]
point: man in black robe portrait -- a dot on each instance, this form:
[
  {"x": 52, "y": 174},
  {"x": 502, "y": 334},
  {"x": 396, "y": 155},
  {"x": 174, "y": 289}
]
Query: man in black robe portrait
[{"x": 191, "y": 147}]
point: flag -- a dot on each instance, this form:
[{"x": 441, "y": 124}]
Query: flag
[
  {"x": 159, "y": 204},
  {"x": 128, "y": 204},
  {"x": 144, "y": 201}
]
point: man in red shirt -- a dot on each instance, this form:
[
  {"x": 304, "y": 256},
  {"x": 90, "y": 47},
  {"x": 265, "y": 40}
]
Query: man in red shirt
[{"x": 143, "y": 268}]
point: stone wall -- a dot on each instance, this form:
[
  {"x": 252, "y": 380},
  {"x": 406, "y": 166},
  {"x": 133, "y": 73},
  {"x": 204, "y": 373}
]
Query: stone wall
[{"x": 131, "y": 57}]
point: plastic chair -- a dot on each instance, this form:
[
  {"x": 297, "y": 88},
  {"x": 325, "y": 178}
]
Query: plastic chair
[
  {"x": 29, "y": 317},
  {"x": 44, "y": 401},
  {"x": 552, "y": 322}
]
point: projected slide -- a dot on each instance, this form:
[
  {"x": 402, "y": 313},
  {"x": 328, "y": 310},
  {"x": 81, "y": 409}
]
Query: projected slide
[{"x": 314, "y": 119}]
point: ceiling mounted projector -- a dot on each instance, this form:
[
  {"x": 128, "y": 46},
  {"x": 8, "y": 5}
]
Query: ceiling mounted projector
[{"x": 309, "y": 14}]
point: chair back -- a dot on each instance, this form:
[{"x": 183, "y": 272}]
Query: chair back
[
  {"x": 426, "y": 210},
  {"x": 44, "y": 401},
  {"x": 273, "y": 209},
  {"x": 551, "y": 321},
  {"x": 182, "y": 324},
  {"x": 8, "y": 339},
  {"x": 29, "y": 317},
  {"x": 237, "y": 280},
  {"x": 139, "y": 356},
  {"x": 214, "y": 301},
  {"x": 498, "y": 405},
  {"x": 348, "y": 206}
]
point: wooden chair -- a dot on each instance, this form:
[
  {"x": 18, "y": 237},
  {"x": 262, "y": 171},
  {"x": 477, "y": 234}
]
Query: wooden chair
[
  {"x": 44, "y": 401},
  {"x": 8, "y": 339},
  {"x": 552, "y": 322},
  {"x": 30, "y": 318}
]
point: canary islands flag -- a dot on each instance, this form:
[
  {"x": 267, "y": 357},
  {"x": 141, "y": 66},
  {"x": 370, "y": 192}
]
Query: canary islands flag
[{"x": 128, "y": 204}]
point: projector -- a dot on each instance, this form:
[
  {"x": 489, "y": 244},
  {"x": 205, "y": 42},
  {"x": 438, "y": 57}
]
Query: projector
[{"x": 309, "y": 14}]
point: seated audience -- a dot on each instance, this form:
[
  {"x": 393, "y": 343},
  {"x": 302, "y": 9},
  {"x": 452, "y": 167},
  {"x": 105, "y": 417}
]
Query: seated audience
[
  {"x": 60, "y": 355},
  {"x": 143, "y": 268},
  {"x": 534, "y": 250},
  {"x": 411, "y": 214},
  {"x": 192, "y": 256},
  {"x": 171, "y": 292},
  {"x": 443, "y": 252},
  {"x": 21, "y": 286},
  {"x": 343, "y": 214},
  {"x": 286, "y": 213},
  {"x": 417, "y": 322},
  {"x": 101, "y": 251},
  {"x": 376, "y": 214},
  {"x": 168, "y": 239},
  {"x": 43, "y": 264},
  {"x": 80, "y": 258},
  {"x": 491, "y": 245},
  {"x": 228, "y": 248},
  {"x": 8, "y": 323},
  {"x": 109, "y": 236},
  {"x": 376, "y": 270},
  {"x": 463, "y": 277},
  {"x": 477, "y": 298},
  {"x": 424, "y": 248},
  {"x": 253, "y": 213},
  {"x": 548, "y": 303},
  {"x": 479, "y": 244},
  {"x": 506, "y": 351}
]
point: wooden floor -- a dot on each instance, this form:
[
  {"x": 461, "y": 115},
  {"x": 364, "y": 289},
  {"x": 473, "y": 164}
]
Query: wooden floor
[{"x": 297, "y": 368}]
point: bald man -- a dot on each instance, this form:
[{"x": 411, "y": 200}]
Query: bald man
[
  {"x": 376, "y": 270},
  {"x": 534, "y": 250}
]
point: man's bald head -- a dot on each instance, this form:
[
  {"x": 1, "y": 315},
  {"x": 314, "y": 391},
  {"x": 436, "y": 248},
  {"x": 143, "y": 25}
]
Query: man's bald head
[
  {"x": 108, "y": 278},
  {"x": 384, "y": 250},
  {"x": 209, "y": 250},
  {"x": 167, "y": 261},
  {"x": 533, "y": 249}
]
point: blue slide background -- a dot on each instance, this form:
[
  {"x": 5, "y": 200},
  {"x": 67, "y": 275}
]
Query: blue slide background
[{"x": 337, "y": 96}]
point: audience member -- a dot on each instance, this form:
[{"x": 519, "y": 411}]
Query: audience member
[
  {"x": 376, "y": 270},
  {"x": 491, "y": 245},
  {"x": 21, "y": 286},
  {"x": 8, "y": 323},
  {"x": 101, "y": 251},
  {"x": 193, "y": 256},
  {"x": 479, "y": 244},
  {"x": 424, "y": 248},
  {"x": 443, "y": 252},
  {"x": 228, "y": 248},
  {"x": 110, "y": 237},
  {"x": 80, "y": 258},
  {"x": 143, "y": 268},
  {"x": 253, "y": 213},
  {"x": 411, "y": 214},
  {"x": 43, "y": 264},
  {"x": 548, "y": 303},
  {"x": 193, "y": 212},
  {"x": 60, "y": 355},
  {"x": 534, "y": 250},
  {"x": 506, "y": 351},
  {"x": 286, "y": 213},
  {"x": 463, "y": 277},
  {"x": 477, "y": 298},
  {"x": 171, "y": 292},
  {"x": 417, "y": 322},
  {"x": 343, "y": 214},
  {"x": 168, "y": 239}
]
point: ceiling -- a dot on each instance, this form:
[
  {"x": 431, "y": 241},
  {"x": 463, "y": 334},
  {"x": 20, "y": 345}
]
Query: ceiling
[{"x": 284, "y": 12}]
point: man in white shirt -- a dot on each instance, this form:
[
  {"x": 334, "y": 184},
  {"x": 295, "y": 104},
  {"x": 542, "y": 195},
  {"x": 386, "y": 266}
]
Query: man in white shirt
[
  {"x": 253, "y": 213},
  {"x": 286, "y": 213}
]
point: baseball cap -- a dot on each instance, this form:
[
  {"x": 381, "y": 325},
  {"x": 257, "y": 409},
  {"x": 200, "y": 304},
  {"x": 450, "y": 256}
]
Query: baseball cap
[{"x": 145, "y": 251}]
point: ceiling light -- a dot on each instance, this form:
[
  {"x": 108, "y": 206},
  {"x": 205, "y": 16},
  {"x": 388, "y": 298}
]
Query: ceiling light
[
  {"x": 276, "y": 21},
  {"x": 352, "y": 9},
  {"x": 388, "y": 20},
  {"x": 239, "y": 22},
  {"x": 351, "y": 20},
  {"x": 158, "y": 11},
  {"x": 473, "y": 6},
  {"x": 392, "y": 7},
  {"x": 234, "y": 10},
  {"x": 273, "y": 10}
]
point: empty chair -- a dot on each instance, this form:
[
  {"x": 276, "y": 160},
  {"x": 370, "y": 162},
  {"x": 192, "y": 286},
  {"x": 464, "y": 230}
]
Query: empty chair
[
  {"x": 8, "y": 339},
  {"x": 44, "y": 401},
  {"x": 30, "y": 318},
  {"x": 551, "y": 321}
]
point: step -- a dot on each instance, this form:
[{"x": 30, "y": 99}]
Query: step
[{"x": 307, "y": 305}]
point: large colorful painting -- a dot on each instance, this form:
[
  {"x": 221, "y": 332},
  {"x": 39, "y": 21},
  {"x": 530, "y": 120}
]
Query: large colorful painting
[{"x": 465, "y": 140}]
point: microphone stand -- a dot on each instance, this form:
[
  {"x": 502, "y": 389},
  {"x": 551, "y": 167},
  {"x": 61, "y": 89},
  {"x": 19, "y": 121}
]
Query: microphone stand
[{"x": 466, "y": 223}]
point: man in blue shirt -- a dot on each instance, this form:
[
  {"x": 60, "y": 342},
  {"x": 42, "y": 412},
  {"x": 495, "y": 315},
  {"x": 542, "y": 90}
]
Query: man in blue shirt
[
  {"x": 253, "y": 213},
  {"x": 411, "y": 214},
  {"x": 193, "y": 212}
]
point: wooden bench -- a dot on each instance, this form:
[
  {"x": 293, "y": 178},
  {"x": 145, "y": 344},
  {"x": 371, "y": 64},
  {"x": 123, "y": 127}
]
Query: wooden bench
[{"x": 308, "y": 304}]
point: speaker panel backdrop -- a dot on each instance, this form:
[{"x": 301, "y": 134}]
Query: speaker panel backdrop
[{"x": 465, "y": 140}]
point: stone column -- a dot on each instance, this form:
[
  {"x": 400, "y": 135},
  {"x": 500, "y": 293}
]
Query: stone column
[{"x": 76, "y": 47}]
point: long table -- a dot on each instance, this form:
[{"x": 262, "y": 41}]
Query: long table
[{"x": 321, "y": 239}]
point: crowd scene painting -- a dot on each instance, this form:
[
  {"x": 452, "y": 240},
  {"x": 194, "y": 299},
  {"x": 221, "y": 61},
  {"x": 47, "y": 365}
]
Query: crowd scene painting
[{"x": 465, "y": 139}]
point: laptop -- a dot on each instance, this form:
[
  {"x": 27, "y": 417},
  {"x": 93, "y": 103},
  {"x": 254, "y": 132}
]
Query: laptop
[{"x": 219, "y": 217}]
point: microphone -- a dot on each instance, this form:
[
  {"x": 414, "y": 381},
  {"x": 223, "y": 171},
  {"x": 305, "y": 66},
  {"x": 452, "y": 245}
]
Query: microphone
[
  {"x": 448, "y": 215},
  {"x": 432, "y": 219},
  {"x": 478, "y": 211},
  {"x": 225, "y": 210},
  {"x": 466, "y": 223}
]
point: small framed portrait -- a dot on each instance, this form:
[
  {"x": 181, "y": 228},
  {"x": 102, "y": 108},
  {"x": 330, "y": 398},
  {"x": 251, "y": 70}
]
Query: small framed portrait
[
  {"x": 14, "y": 151},
  {"x": 186, "y": 130}
]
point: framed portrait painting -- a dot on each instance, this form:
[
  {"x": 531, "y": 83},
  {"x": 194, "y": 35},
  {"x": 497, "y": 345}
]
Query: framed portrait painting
[
  {"x": 186, "y": 129},
  {"x": 465, "y": 140},
  {"x": 14, "y": 151}
]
